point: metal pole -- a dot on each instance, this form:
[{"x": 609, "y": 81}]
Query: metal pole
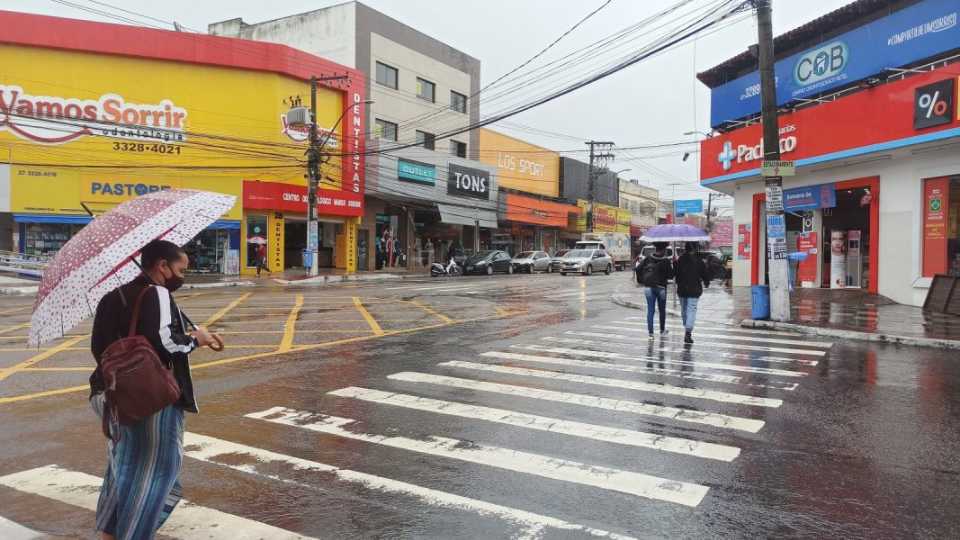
[
  {"x": 776, "y": 222},
  {"x": 313, "y": 170},
  {"x": 589, "y": 220}
]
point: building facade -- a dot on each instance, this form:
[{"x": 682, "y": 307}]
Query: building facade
[
  {"x": 874, "y": 135},
  {"x": 421, "y": 88},
  {"x": 642, "y": 202},
  {"x": 81, "y": 130}
]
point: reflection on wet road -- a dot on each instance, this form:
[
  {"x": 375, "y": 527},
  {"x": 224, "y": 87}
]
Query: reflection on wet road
[{"x": 519, "y": 407}]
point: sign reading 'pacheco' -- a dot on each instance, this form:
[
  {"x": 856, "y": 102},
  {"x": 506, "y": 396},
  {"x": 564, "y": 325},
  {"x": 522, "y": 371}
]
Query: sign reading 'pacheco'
[{"x": 59, "y": 120}]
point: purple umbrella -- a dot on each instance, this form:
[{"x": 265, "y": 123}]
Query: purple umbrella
[{"x": 675, "y": 233}]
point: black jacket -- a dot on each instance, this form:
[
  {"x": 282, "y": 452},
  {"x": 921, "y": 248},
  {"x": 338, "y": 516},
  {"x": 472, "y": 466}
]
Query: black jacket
[
  {"x": 160, "y": 322},
  {"x": 692, "y": 276},
  {"x": 664, "y": 270}
]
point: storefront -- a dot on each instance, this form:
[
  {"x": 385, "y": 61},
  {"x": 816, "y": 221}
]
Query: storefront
[
  {"x": 423, "y": 204},
  {"x": 79, "y": 131},
  {"x": 531, "y": 223},
  {"x": 876, "y": 181}
]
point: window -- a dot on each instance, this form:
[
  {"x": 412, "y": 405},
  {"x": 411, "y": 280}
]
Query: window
[
  {"x": 387, "y": 75},
  {"x": 385, "y": 130},
  {"x": 425, "y": 139},
  {"x": 458, "y": 149},
  {"x": 426, "y": 90},
  {"x": 458, "y": 101}
]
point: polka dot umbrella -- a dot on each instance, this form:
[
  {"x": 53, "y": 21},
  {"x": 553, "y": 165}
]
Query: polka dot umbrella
[{"x": 102, "y": 255}]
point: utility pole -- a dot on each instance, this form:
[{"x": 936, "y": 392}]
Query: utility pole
[
  {"x": 709, "y": 208},
  {"x": 776, "y": 223},
  {"x": 599, "y": 153}
]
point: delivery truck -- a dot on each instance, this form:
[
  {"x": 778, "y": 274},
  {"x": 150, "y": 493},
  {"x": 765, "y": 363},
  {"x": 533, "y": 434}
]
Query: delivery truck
[{"x": 617, "y": 245}]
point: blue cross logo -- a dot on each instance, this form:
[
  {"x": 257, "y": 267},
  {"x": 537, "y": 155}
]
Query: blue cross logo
[{"x": 726, "y": 157}]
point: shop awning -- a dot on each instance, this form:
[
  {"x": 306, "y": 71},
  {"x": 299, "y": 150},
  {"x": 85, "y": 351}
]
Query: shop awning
[
  {"x": 462, "y": 215},
  {"x": 51, "y": 218}
]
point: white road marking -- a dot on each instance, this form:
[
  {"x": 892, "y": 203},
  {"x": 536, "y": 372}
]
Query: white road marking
[
  {"x": 614, "y": 355},
  {"x": 819, "y": 344},
  {"x": 717, "y": 327},
  {"x": 667, "y": 349},
  {"x": 567, "y": 398},
  {"x": 726, "y": 345},
  {"x": 594, "y": 432},
  {"x": 686, "y": 353},
  {"x": 633, "y": 483},
  {"x": 696, "y": 393},
  {"x": 666, "y": 372},
  {"x": 14, "y": 531},
  {"x": 188, "y": 520},
  {"x": 257, "y": 461}
]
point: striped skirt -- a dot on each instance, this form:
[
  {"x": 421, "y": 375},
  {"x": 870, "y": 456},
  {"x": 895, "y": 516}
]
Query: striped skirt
[{"x": 141, "y": 486}]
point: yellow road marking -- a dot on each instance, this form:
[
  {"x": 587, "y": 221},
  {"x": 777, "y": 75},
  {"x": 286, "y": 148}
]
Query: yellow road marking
[
  {"x": 12, "y": 328},
  {"x": 14, "y": 310},
  {"x": 87, "y": 369},
  {"x": 219, "y": 315},
  {"x": 431, "y": 311},
  {"x": 4, "y": 373},
  {"x": 374, "y": 325},
  {"x": 226, "y": 361},
  {"x": 290, "y": 327}
]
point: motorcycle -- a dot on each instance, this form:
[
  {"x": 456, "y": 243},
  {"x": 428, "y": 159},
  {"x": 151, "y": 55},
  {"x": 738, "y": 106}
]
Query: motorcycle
[{"x": 451, "y": 269}]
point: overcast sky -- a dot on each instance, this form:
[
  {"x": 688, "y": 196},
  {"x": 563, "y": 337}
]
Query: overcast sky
[{"x": 654, "y": 101}]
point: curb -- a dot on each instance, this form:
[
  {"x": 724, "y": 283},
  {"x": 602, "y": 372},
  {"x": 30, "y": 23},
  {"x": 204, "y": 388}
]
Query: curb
[
  {"x": 18, "y": 291},
  {"x": 327, "y": 280},
  {"x": 853, "y": 334},
  {"x": 219, "y": 285}
]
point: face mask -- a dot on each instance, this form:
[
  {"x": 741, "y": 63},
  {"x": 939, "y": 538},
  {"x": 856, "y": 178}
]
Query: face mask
[{"x": 173, "y": 282}]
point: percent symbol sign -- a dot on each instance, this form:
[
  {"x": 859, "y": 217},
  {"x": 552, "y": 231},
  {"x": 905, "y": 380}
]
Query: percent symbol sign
[{"x": 933, "y": 104}]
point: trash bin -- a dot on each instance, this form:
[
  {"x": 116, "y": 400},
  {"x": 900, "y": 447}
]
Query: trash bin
[
  {"x": 307, "y": 259},
  {"x": 760, "y": 307}
]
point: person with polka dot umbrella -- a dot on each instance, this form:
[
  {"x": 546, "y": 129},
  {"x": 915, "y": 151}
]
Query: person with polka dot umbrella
[{"x": 103, "y": 255}]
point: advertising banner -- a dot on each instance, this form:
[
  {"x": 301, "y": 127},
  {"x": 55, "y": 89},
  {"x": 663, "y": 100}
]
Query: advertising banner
[
  {"x": 521, "y": 165},
  {"x": 935, "y": 211},
  {"x": 901, "y": 38},
  {"x": 293, "y": 198},
  {"x": 605, "y": 218},
  {"x": 538, "y": 212},
  {"x": 722, "y": 234},
  {"x": 857, "y": 124},
  {"x": 810, "y": 197},
  {"x": 807, "y": 268},
  {"x": 744, "y": 240},
  {"x": 692, "y": 206},
  {"x": 468, "y": 182},
  {"x": 415, "y": 171}
]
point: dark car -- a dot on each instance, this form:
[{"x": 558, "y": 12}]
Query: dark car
[{"x": 488, "y": 262}]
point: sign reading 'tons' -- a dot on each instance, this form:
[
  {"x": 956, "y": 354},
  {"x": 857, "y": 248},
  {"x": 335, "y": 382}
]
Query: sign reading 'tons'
[{"x": 468, "y": 182}]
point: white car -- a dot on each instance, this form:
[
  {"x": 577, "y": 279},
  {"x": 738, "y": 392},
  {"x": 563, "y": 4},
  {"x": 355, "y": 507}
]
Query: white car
[
  {"x": 586, "y": 262},
  {"x": 531, "y": 261}
]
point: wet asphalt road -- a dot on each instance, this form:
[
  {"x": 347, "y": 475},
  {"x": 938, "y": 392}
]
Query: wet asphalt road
[{"x": 504, "y": 407}]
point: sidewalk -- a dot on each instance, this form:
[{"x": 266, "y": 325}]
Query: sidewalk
[{"x": 848, "y": 314}]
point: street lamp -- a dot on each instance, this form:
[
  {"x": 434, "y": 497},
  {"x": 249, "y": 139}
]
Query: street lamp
[
  {"x": 615, "y": 173},
  {"x": 695, "y": 132},
  {"x": 313, "y": 169}
]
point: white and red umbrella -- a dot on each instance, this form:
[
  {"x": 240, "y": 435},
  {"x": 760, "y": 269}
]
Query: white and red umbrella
[{"x": 102, "y": 255}]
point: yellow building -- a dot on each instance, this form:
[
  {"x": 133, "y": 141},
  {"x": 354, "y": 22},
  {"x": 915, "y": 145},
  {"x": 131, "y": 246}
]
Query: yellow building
[
  {"x": 520, "y": 165},
  {"x": 92, "y": 114}
]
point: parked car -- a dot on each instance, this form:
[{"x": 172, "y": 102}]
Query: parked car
[
  {"x": 586, "y": 262},
  {"x": 488, "y": 262},
  {"x": 531, "y": 261},
  {"x": 557, "y": 260}
]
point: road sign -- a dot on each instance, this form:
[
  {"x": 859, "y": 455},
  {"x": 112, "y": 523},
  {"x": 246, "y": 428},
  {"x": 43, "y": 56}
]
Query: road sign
[
  {"x": 778, "y": 168},
  {"x": 691, "y": 206}
]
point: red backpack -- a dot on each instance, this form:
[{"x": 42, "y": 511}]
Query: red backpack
[{"x": 138, "y": 383}]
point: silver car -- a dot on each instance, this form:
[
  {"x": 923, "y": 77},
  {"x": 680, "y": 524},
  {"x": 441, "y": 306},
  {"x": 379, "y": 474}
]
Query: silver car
[
  {"x": 531, "y": 261},
  {"x": 586, "y": 262},
  {"x": 557, "y": 260}
]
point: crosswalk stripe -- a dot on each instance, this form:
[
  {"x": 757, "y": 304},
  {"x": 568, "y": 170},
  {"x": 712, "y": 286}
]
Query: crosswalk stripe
[
  {"x": 716, "y": 327},
  {"x": 14, "y": 531},
  {"x": 685, "y": 352},
  {"x": 188, "y": 520},
  {"x": 665, "y": 348},
  {"x": 632, "y": 483},
  {"x": 620, "y": 405},
  {"x": 820, "y": 344},
  {"x": 583, "y": 430},
  {"x": 272, "y": 465},
  {"x": 666, "y": 372},
  {"x": 696, "y": 393},
  {"x": 727, "y": 345},
  {"x": 712, "y": 365}
]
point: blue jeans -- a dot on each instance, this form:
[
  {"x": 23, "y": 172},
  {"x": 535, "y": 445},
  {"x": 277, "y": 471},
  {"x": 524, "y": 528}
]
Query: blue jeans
[
  {"x": 658, "y": 295},
  {"x": 688, "y": 312}
]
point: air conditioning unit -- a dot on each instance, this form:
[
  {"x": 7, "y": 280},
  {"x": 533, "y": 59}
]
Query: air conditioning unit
[{"x": 298, "y": 117}]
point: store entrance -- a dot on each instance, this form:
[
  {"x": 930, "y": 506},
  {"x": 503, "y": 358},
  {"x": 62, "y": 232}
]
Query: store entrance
[
  {"x": 846, "y": 240},
  {"x": 294, "y": 242}
]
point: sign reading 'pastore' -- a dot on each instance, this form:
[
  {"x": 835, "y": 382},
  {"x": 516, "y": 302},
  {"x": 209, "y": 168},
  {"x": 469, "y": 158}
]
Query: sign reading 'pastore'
[{"x": 468, "y": 182}]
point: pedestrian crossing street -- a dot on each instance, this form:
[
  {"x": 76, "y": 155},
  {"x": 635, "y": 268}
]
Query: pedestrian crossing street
[{"x": 657, "y": 398}]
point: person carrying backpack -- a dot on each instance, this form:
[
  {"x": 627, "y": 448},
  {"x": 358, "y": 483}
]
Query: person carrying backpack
[
  {"x": 654, "y": 273},
  {"x": 692, "y": 276}
]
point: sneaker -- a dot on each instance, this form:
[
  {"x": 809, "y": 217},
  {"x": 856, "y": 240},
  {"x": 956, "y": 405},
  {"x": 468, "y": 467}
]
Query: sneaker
[
  {"x": 664, "y": 333},
  {"x": 651, "y": 335},
  {"x": 688, "y": 338}
]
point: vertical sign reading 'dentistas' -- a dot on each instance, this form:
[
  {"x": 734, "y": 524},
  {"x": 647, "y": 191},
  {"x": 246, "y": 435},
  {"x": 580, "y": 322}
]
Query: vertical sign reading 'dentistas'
[{"x": 468, "y": 182}]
